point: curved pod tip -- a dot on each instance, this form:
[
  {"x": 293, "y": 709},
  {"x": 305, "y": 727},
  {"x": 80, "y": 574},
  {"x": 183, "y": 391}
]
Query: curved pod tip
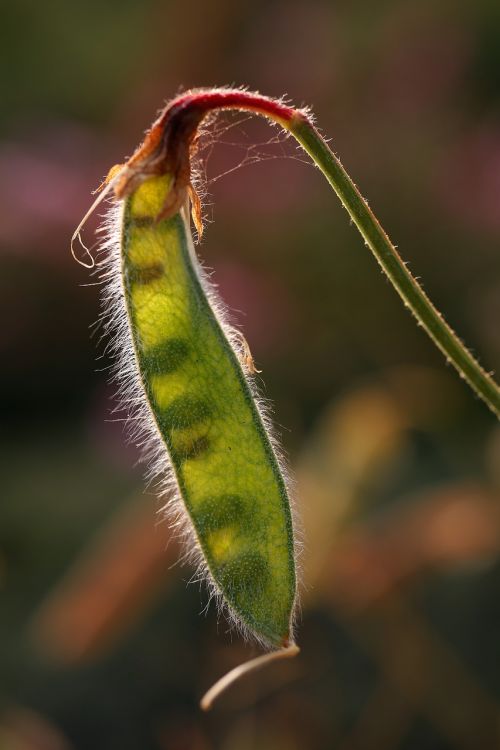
[{"x": 242, "y": 670}]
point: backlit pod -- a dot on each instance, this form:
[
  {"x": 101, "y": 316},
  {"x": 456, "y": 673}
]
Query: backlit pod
[
  {"x": 202, "y": 404},
  {"x": 185, "y": 378},
  {"x": 184, "y": 373}
]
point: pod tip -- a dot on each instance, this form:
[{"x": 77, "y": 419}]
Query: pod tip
[{"x": 289, "y": 650}]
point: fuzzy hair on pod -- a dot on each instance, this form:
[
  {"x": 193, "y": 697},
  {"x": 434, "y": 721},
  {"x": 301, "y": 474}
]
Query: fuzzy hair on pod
[{"x": 142, "y": 425}]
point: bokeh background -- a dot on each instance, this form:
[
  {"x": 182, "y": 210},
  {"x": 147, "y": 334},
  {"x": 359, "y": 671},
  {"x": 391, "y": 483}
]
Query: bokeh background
[{"x": 103, "y": 644}]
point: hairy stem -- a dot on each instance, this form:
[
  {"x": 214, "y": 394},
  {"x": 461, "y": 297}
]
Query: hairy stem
[{"x": 398, "y": 274}]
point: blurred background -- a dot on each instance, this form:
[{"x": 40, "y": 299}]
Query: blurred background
[{"x": 103, "y": 644}]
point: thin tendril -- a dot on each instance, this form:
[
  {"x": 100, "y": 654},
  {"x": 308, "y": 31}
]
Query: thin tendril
[
  {"x": 77, "y": 233},
  {"x": 237, "y": 673}
]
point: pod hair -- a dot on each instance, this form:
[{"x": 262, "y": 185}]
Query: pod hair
[{"x": 168, "y": 148}]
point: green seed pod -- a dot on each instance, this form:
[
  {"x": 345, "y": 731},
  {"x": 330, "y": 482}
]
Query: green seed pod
[
  {"x": 184, "y": 374},
  {"x": 185, "y": 380}
]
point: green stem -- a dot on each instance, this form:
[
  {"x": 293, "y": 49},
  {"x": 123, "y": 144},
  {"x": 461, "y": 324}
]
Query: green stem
[{"x": 384, "y": 251}]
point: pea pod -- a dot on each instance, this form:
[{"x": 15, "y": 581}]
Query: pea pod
[
  {"x": 206, "y": 417},
  {"x": 180, "y": 364}
]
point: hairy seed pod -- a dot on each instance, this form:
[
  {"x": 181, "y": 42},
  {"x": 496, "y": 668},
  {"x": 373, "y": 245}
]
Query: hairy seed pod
[
  {"x": 185, "y": 373},
  {"x": 185, "y": 368}
]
